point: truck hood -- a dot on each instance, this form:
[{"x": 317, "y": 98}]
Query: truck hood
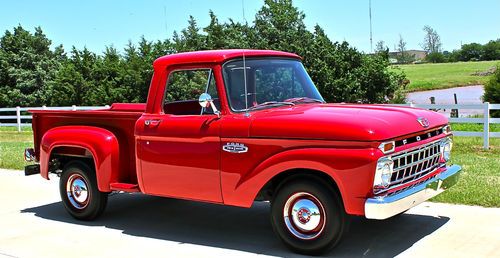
[{"x": 343, "y": 122}]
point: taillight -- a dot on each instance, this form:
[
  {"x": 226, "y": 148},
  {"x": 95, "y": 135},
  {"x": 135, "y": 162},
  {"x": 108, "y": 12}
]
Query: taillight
[{"x": 29, "y": 154}]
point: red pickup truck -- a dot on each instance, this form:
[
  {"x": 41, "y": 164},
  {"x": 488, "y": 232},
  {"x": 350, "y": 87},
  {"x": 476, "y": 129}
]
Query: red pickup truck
[{"x": 237, "y": 126}]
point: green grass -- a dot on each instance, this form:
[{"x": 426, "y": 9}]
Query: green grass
[
  {"x": 473, "y": 127},
  {"x": 480, "y": 180},
  {"x": 12, "y": 145},
  {"x": 478, "y": 185},
  {"x": 446, "y": 75}
]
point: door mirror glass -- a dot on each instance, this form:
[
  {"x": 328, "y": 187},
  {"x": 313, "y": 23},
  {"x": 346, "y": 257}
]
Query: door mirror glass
[{"x": 205, "y": 100}]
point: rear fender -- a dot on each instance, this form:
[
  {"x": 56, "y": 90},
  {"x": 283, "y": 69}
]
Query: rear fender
[{"x": 100, "y": 143}]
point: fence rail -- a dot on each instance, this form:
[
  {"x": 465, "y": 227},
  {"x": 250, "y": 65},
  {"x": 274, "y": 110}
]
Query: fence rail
[
  {"x": 19, "y": 117},
  {"x": 486, "y": 120}
]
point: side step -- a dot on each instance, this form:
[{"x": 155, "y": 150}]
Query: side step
[{"x": 130, "y": 188}]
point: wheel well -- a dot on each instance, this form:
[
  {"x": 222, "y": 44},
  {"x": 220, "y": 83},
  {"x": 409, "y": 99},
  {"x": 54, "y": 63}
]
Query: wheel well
[
  {"x": 269, "y": 189},
  {"x": 62, "y": 155}
]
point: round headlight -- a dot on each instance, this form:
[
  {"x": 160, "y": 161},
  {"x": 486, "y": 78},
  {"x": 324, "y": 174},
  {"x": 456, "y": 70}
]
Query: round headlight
[
  {"x": 383, "y": 174},
  {"x": 386, "y": 174},
  {"x": 446, "y": 146}
]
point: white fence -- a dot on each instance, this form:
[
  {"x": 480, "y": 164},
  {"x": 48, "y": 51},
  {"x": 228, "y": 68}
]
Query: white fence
[
  {"x": 19, "y": 117},
  {"x": 485, "y": 120}
]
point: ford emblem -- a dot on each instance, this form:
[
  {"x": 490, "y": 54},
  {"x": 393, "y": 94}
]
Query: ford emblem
[
  {"x": 423, "y": 122},
  {"x": 235, "y": 147}
]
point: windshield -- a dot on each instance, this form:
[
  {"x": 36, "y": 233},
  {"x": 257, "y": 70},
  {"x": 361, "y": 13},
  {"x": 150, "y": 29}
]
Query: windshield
[{"x": 271, "y": 82}]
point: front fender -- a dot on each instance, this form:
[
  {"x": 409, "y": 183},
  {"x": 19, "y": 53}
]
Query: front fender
[
  {"x": 100, "y": 143},
  {"x": 350, "y": 169}
]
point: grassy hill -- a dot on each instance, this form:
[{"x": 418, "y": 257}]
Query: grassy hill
[{"x": 446, "y": 75}]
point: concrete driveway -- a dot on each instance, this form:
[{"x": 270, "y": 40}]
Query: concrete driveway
[{"x": 33, "y": 223}]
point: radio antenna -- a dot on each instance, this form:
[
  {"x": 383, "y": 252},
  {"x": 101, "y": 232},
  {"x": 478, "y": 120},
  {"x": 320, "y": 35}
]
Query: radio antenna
[
  {"x": 244, "y": 63},
  {"x": 245, "y": 81}
]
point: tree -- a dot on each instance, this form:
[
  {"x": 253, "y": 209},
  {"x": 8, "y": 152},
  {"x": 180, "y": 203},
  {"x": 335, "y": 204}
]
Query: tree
[
  {"x": 27, "y": 65},
  {"x": 280, "y": 25},
  {"x": 65, "y": 89},
  {"x": 471, "y": 52},
  {"x": 491, "y": 50},
  {"x": 32, "y": 74},
  {"x": 492, "y": 91},
  {"x": 403, "y": 56},
  {"x": 216, "y": 37},
  {"x": 432, "y": 40},
  {"x": 190, "y": 38},
  {"x": 381, "y": 49},
  {"x": 380, "y": 46},
  {"x": 84, "y": 63}
]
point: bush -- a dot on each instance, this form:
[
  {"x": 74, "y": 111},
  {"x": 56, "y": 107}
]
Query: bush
[
  {"x": 492, "y": 91},
  {"x": 435, "y": 57}
]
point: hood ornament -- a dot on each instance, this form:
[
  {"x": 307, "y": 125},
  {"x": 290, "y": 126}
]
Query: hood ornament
[{"x": 423, "y": 122}]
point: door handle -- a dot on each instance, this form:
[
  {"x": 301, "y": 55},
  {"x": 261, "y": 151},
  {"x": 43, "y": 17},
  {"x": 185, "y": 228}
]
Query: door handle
[{"x": 152, "y": 122}]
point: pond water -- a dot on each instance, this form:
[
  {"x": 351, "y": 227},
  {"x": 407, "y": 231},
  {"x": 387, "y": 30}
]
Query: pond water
[{"x": 465, "y": 95}]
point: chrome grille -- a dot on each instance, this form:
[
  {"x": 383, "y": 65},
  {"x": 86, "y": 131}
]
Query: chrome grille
[{"x": 414, "y": 164}]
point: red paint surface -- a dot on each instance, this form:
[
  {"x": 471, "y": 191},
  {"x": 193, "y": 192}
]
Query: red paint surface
[{"x": 182, "y": 157}]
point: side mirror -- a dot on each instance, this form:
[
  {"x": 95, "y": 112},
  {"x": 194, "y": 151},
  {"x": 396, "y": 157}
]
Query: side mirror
[{"x": 206, "y": 101}]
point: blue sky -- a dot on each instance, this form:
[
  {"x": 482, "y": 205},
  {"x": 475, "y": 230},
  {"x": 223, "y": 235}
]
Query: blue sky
[{"x": 95, "y": 23}]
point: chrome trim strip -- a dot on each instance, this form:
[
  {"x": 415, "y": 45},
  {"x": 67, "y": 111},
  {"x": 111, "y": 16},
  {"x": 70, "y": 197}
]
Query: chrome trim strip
[
  {"x": 418, "y": 146},
  {"x": 386, "y": 207},
  {"x": 425, "y": 146}
]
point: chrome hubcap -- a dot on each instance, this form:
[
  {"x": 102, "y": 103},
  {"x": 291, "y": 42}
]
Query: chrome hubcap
[
  {"x": 77, "y": 191},
  {"x": 304, "y": 216}
]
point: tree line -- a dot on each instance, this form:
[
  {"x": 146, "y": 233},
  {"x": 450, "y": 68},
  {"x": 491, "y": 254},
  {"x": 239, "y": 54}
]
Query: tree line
[
  {"x": 33, "y": 73},
  {"x": 435, "y": 54}
]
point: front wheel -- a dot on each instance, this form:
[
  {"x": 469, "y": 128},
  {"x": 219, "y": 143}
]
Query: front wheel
[
  {"x": 308, "y": 217},
  {"x": 79, "y": 193}
]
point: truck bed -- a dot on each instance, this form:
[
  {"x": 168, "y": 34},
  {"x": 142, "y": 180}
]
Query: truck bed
[{"x": 120, "y": 119}]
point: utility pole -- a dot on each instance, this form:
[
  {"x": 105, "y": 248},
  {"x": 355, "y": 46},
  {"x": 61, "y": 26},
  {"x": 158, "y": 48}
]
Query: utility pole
[{"x": 370, "y": 14}]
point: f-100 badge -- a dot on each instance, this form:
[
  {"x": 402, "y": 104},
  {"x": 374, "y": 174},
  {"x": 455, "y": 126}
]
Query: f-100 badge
[{"x": 235, "y": 147}]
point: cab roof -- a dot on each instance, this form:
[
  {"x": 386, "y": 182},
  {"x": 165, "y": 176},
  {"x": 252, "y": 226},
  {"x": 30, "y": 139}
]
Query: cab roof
[{"x": 217, "y": 56}]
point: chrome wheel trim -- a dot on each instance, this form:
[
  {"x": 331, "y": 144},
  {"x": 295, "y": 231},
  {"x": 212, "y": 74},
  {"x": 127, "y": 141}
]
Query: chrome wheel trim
[
  {"x": 77, "y": 191},
  {"x": 304, "y": 216}
]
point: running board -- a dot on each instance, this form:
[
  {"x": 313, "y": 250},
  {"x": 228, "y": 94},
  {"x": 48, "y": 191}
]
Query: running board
[{"x": 131, "y": 188}]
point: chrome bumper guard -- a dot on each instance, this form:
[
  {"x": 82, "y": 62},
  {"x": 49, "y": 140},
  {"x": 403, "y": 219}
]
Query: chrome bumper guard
[{"x": 388, "y": 206}]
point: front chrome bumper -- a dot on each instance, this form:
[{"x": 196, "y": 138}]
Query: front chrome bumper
[{"x": 385, "y": 207}]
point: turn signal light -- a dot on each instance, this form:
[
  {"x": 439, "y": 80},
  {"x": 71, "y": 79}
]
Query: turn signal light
[{"x": 387, "y": 147}]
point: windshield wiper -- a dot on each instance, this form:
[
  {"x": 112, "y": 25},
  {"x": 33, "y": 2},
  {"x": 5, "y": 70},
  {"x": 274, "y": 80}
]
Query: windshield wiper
[
  {"x": 271, "y": 104},
  {"x": 304, "y": 100}
]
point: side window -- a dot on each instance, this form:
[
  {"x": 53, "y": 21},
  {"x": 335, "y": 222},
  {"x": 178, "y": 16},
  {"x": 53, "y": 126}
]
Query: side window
[{"x": 183, "y": 89}]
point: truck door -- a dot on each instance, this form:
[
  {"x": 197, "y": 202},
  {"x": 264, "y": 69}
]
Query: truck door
[{"x": 179, "y": 148}]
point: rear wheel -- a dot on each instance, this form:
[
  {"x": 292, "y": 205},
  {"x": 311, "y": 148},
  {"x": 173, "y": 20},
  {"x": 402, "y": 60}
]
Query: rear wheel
[
  {"x": 308, "y": 217},
  {"x": 79, "y": 193}
]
